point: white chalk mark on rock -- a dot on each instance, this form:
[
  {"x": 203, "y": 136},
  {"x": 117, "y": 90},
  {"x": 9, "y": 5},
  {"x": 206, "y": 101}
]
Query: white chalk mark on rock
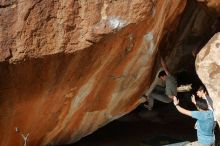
[
  {"x": 116, "y": 22},
  {"x": 149, "y": 37}
]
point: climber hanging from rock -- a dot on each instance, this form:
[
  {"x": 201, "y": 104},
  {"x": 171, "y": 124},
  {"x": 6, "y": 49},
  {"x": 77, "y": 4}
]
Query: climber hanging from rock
[{"x": 164, "y": 87}]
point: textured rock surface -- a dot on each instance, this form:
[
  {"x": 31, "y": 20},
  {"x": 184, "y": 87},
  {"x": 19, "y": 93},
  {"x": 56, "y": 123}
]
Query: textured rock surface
[
  {"x": 36, "y": 28},
  {"x": 70, "y": 67},
  {"x": 197, "y": 25},
  {"x": 214, "y": 4},
  {"x": 208, "y": 69}
]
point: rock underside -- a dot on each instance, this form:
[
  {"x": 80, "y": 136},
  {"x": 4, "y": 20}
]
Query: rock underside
[{"x": 68, "y": 68}]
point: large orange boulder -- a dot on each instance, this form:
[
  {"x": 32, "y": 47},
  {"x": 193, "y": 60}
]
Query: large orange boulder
[{"x": 70, "y": 67}]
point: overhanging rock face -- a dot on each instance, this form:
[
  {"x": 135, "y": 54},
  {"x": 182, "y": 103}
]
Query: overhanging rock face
[
  {"x": 208, "y": 69},
  {"x": 69, "y": 67}
]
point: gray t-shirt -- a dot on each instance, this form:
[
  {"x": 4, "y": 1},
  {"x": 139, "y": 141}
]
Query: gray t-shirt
[{"x": 171, "y": 86}]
